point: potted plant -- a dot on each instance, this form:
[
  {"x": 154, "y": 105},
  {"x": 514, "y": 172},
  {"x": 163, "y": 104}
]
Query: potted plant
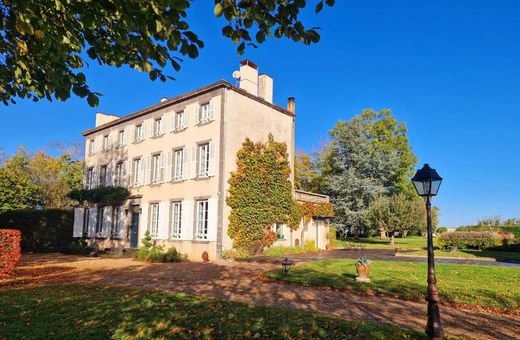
[
  {"x": 397, "y": 250},
  {"x": 331, "y": 237},
  {"x": 363, "y": 267}
]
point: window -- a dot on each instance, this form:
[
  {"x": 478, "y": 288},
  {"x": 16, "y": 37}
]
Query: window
[
  {"x": 89, "y": 184},
  {"x": 103, "y": 175},
  {"x": 203, "y": 160},
  {"x": 176, "y": 219},
  {"x": 279, "y": 231},
  {"x": 136, "y": 171},
  {"x": 206, "y": 113},
  {"x": 106, "y": 143},
  {"x": 180, "y": 121},
  {"x": 121, "y": 138},
  {"x": 138, "y": 133},
  {"x": 99, "y": 221},
  {"x": 178, "y": 170},
  {"x": 118, "y": 180},
  {"x": 86, "y": 221},
  {"x": 157, "y": 169},
  {"x": 154, "y": 220},
  {"x": 91, "y": 147},
  {"x": 157, "y": 127},
  {"x": 202, "y": 220},
  {"x": 116, "y": 221}
]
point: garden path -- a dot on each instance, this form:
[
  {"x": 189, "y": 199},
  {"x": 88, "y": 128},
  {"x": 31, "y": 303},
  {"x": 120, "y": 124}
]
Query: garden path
[{"x": 240, "y": 282}]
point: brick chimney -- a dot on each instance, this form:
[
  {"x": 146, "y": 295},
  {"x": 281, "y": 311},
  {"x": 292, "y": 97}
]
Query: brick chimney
[{"x": 291, "y": 105}]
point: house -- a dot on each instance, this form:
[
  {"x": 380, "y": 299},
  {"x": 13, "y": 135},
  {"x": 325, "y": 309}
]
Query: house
[{"x": 176, "y": 157}]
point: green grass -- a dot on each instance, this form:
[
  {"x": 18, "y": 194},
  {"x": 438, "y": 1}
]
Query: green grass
[
  {"x": 469, "y": 284},
  {"x": 93, "y": 312},
  {"x": 473, "y": 254},
  {"x": 378, "y": 243}
]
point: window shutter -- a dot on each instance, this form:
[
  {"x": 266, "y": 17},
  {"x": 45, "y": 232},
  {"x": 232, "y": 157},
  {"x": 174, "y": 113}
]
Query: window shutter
[
  {"x": 78, "y": 222},
  {"x": 212, "y": 219},
  {"x": 148, "y": 170},
  {"x": 150, "y": 128},
  {"x": 163, "y": 220},
  {"x": 193, "y": 167},
  {"x": 92, "y": 221},
  {"x": 169, "y": 166},
  {"x": 211, "y": 159},
  {"x": 187, "y": 223},
  {"x": 95, "y": 178},
  {"x": 185, "y": 156},
  {"x": 110, "y": 174},
  {"x": 162, "y": 160},
  {"x": 172, "y": 121},
  {"x": 107, "y": 223},
  {"x": 124, "y": 173},
  {"x": 141, "y": 171},
  {"x": 196, "y": 114},
  {"x": 162, "y": 124},
  {"x": 122, "y": 222},
  {"x": 211, "y": 109}
]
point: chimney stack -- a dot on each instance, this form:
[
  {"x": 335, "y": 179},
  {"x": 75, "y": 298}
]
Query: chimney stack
[
  {"x": 265, "y": 88},
  {"x": 291, "y": 105},
  {"x": 249, "y": 76},
  {"x": 163, "y": 99}
]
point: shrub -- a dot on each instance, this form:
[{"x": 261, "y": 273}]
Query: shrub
[
  {"x": 515, "y": 230},
  {"x": 42, "y": 230},
  {"x": 310, "y": 247},
  {"x": 473, "y": 239},
  {"x": 441, "y": 230},
  {"x": 331, "y": 235},
  {"x": 9, "y": 249},
  {"x": 155, "y": 253},
  {"x": 279, "y": 251}
]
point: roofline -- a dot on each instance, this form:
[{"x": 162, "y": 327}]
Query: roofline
[
  {"x": 175, "y": 100},
  {"x": 311, "y": 193}
]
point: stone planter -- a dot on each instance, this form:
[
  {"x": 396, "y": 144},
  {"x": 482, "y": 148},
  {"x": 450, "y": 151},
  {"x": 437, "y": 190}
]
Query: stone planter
[
  {"x": 328, "y": 246},
  {"x": 362, "y": 271}
]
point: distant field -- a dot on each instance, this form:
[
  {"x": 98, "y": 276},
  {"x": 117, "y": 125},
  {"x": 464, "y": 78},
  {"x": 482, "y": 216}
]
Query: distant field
[
  {"x": 473, "y": 254},
  {"x": 378, "y": 243}
]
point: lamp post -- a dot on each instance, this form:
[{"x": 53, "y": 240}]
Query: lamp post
[
  {"x": 286, "y": 265},
  {"x": 427, "y": 182}
]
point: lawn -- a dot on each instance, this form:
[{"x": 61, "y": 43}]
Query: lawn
[
  {"x": 473, "y": 254},
  {"x": 469, "y": 284},
  {"x": 88, "y": 312},
  {"x": 379, "y": 243}
]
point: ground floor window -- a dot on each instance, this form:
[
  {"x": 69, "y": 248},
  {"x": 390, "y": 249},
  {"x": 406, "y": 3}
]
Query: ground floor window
[
  {"x": 176, "y": 219},
  {"x": 202, "y": 220},
  {"x": 86, "y": 222},
  {"x": 278, "y": 229},
  {"x": 154, "y": 220},
  {"x": 116, "y": 222},
  {"x": 99, "y": 221}
]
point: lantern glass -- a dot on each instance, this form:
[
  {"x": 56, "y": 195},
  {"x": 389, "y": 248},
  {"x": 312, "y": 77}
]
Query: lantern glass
[{"x": 427, "y": 181}]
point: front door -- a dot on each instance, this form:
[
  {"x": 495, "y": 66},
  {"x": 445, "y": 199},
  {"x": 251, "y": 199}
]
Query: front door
[{"x": 134, "y": 230}]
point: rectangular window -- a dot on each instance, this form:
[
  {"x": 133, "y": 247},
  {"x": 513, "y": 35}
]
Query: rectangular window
[
  {"x": 178, "y": 170},
  {"x": 205, "y": 113},
  {"x": 91, "y": 145},
  {"x": 118, "y": 181},
  {"x": 138, "y": 133},
  {"x": 203, "y": 165},
  {"x": 136, "y": 171},
  {"x": 116, "y": 222},
  {"x": 103, "y": 175},
  {"x": 180, "y": 120},
  {"x": 202, "y": 220},
  {"x": 106, "y": 143},
  {"x": 157, "y": 168},
  {"x": 176, "y": 219},
  {"x": 99, "y": 221},
  {"x": 279, "y": 231},
  {"x": 154, "y": 220},
  {"x": 157, "y": 127},
  {"x": 121, "y": 138},
  {"x": 90, "y": 179},
  {"x": 86, "y": 222}
]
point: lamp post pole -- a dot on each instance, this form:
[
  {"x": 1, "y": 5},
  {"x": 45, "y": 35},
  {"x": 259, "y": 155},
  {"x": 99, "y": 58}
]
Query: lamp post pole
[{"x": 433, "y": 327}]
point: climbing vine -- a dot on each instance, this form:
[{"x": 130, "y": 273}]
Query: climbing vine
[
  {"x": 260, "y": 193},
  {"x": 103, "y": 195}
]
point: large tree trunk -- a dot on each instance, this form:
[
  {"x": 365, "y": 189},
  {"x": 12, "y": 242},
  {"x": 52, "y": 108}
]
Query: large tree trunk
[
  {"x": 383, "y": 234},
  {"x": 392, "y": 239}
]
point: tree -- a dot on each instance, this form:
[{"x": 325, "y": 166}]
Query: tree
[
  {"x": 45, "y": 44},
  {"x": 306, "y": 173},
  {"x": 260, "y": 194}
]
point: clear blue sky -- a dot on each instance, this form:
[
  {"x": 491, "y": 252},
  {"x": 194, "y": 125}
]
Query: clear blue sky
[{"x": 449, "y": 69}]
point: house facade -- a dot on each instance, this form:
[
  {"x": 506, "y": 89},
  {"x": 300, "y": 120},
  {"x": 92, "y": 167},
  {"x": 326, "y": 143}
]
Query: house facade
[{"x": 175, "y": 158}]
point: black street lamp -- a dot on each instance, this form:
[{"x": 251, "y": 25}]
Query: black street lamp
[
  {"x": 286, "y": 264},
  {"x": 427, "y": 182}
]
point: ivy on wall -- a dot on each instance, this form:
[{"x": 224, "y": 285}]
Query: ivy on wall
[
  {"x": 260, "y": 193},
  {"x": 110, "y": 195},
  {"x": 308, "y": 210}
]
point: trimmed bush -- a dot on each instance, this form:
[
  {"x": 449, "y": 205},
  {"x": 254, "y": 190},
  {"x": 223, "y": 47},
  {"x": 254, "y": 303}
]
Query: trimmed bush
[
  {"x": 42, "y": 230},
  {"x": 9, "y": 250},
  {"x": 441, "y": 230},
  {"x": 515, "y": 230},
  {"x": 473, "y": 239},
  {"x": 155, "y": 253}
]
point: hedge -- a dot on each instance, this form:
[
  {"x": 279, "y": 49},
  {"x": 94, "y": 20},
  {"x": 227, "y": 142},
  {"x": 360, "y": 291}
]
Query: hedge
[
  {"x": 474, "y": 239},
  {"x": 42, "y": 230},
  {"x": 515, "y": 230},
  {"x": 9, "y": 250}
]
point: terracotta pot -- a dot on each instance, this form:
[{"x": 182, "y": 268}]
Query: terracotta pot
[
  {"x": 328, "y": 246},
  {"x": 363, "y": 270}
]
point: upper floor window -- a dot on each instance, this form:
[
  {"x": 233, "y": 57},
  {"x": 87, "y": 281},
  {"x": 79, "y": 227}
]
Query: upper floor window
[
  {"x": 137, "y": 168},
  {"x": 157, "y": 168},
  {"x": 176, "y": 219},
  {"x": 203, "y": 166},
  {"x": 121, "y": 138},
  {"x": 91, "y": 146},
  {"x": 119, "y": 173},
  {"x": 106, "y": 142},
  {"x": 154, "y": 220},
  {"x": 158, "y": 127},
  {"x": 181, "y": 120},
  {"x": 206, "y": 113},
  {"x": 103, "y": 176},
  {"x": 89, "y": 180},
  {"x": 179, "y": 160},
  {"x": 138, "y": 133},
  {"x": 202, "y": 220}
]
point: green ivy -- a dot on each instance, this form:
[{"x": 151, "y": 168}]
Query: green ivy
[{"x": 102, "y": 195}]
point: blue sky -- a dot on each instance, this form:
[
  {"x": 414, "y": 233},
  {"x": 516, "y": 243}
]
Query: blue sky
[{"x": 449, "y": 69}]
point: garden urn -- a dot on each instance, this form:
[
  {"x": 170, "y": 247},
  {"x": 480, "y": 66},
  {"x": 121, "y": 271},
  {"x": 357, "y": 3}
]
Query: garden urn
[{"x": 363, "y": 267}]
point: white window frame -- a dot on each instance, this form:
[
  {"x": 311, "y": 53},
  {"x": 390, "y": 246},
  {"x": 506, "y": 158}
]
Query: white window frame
[
  {"x": 156, "y": 168},
  {"x": 106, "y": 142},
  {"x": 103, "y": 175},
  {"x": 121, "y": 137},
  {"x": 154, "y": 220},
  {"x": 176, "y": 220},
  {"x": 118, "y": 172},
  {"x": 278, "y": 229},
  {"x": 91, "y": 146},
  {"x": 205, "y": 113},
  {"x": 139, "y": 133},
  {"x": 100, "y": 219},
  {"x": 157, "y": 127},
  {"x": 180, "y": 120},
  {"x": 136, "y": 176},
  {"x": 202, "y": 220},
  {"x": 116, "y": 222},
  {"x": 203, "y": 165},
  {"x": 178, "y": 167}
]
